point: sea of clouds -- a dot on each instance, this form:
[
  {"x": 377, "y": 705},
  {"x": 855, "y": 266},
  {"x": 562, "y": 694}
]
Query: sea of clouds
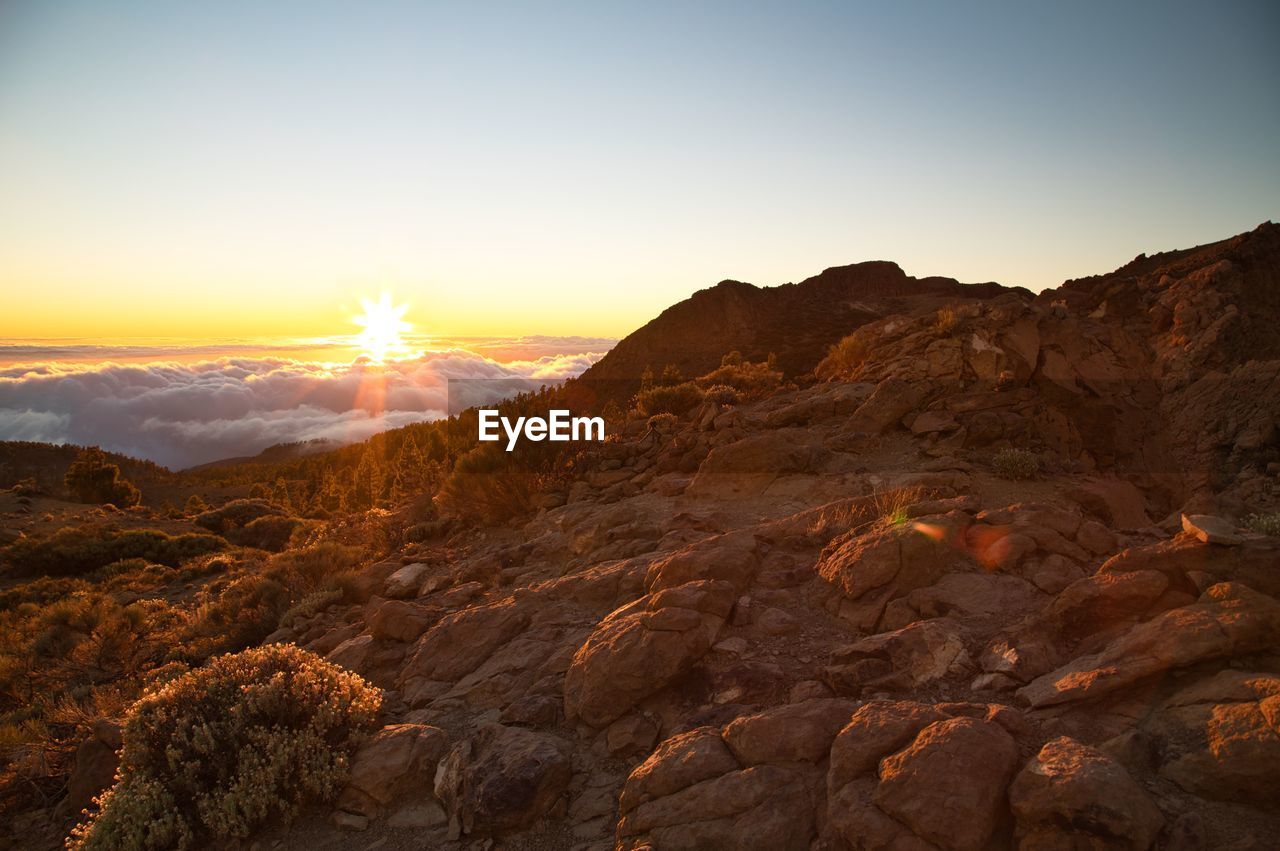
[{"x": 181, "y": 414}]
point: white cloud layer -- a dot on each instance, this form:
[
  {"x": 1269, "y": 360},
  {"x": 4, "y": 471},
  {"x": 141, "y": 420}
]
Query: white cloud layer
[{"x": 183, "y": 414}]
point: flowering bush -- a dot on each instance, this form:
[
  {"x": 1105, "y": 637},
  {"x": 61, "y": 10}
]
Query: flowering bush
[{"x": 219, "y": 749}]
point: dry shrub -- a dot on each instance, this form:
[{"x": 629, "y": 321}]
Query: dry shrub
[
  {"x": 74, "y": 551},
  {"x": 271, "y": 532},
  {"x": 676, "y": 399},
  {"x": 217, "y": 751},
  {"x": 236, "y": 514},
  {"x": 1264, "y": 524},
  {"x": 747, "y": 378},
  {"x": 944, "y": 321},
  {"x": 488, "y": 485},
  {"x": 1016, "y": 464},
  {"x": 722, "y": 394},
  {"x": 844, "y": 357}
]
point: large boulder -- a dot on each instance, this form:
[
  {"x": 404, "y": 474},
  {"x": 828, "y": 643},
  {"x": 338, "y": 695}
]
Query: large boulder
[
  {"x": 1071, "y": 795},
  {"x": 502, "y": 779},
  {"x": 631, "y": 656},
  {"x": 871, "y": 568},
  {"x": 909, "y": 775},
  {"x": 459, "y": 643},
  {"x": 1220, "y": 738},
  {"x": 397, "y": 764},
  {"x": 796, "y": 732},
  {"x": 1229, "y": 619},
  {"x": 765, "y": 807}
]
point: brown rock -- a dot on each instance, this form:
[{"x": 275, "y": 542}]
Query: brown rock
[
  {"x": 502, "y": 779},
  {"x": 397, "y": 760},
  {"x": 948, "y": 786},
  {"x": 1074, "y": 796},
  {"x": 679, "y": 762},
  {"x": 1211, "y": 530},
  {"x": 630, "y": 657},
  {"x": 1229, "y": 619},
  {"x": 796, "y": 732}
]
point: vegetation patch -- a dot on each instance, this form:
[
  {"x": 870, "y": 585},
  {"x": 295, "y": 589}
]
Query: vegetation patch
[{"x": 218, "y": 750}]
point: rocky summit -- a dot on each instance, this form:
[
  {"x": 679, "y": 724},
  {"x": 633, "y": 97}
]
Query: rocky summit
[{"x": 984, "y": 571}]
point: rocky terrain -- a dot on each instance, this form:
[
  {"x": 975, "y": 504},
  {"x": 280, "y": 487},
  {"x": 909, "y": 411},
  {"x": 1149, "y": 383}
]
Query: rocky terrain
[{"x": 986, "y": 581}]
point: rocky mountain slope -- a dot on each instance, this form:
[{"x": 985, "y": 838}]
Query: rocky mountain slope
[
  {"x": 796, "y": 322},
  {"x": 989, "y": 586}
]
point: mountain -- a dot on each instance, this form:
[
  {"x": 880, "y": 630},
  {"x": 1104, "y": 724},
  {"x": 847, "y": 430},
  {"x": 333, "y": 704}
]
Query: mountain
[{"x": 796, "y": 322}]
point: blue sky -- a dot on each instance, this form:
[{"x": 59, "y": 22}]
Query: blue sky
[{"x": 241, "y": 168}]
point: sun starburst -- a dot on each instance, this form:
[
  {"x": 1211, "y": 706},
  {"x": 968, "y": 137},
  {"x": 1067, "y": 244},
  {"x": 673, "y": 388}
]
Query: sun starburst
[{"x": 383, "y": 324}]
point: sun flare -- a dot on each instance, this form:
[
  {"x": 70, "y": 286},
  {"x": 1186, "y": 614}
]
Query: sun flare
[{"x": 383, "y": 324}]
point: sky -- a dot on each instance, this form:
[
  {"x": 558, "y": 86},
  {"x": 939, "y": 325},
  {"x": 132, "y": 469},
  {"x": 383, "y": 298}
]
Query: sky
[{"x": 239, "y": 168}]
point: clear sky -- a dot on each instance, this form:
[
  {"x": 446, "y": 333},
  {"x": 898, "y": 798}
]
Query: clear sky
[{"x": 234, "y": 168}]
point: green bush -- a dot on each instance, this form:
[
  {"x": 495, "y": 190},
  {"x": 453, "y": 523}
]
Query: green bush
[
  {"x": 271, "y": 532},
  {"x": 1016, "y": 464},
  {"x": 678, "y": 399},
  {"x": 236, "y": 514},
  {"x": 217, "y": 751},
  {"x": 73, "y": 551},
  {"x": 93, "y": 478}
]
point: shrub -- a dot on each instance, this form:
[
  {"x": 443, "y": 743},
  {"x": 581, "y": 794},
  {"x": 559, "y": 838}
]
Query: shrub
[
  {"x": 73, "y": 551},
  {"x": 220, "y": 749},
  {"x": 236, "y": 514},
  {"x": 752, "y": 379},
  {"x": 488, "y": 485},
  {"x": 1264, "y": 524},
  {"x": 663, "y": 422},
  {"x": 945, "y": 320},
  {"x": 1016, "y": 464},
  {"x": 722, "y": 394},
  {"x": 845, "y": 356},
  {"x": 678, "y": 399},
  {"x": 93, "y": 478},
  {"x": 271, "y": 532}
]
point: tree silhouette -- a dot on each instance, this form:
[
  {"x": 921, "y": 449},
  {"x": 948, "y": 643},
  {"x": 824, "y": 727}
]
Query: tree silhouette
[{"x": 93, "y": 478}]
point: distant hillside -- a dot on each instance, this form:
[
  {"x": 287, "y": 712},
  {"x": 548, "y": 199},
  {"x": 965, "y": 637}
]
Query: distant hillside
[
  {"x": 796, "y": 322},
  {"x": 274, "y": 454},
  {"x": 47, "y": 463}
]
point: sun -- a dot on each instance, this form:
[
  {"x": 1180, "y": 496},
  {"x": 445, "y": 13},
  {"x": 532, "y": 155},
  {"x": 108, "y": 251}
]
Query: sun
[{"x": 383, "y": 324}]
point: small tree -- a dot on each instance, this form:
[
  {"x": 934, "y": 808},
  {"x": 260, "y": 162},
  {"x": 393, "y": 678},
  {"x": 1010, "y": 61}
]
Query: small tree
[
  {"x": 195, "y": 505},
  {"x": 93, "y": 478}
]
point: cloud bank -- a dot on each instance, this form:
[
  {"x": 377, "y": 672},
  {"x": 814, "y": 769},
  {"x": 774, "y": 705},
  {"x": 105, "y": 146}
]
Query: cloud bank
[{"x": 183, "y": 414}]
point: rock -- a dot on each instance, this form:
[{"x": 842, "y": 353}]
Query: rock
[
  {"x": 405, "y": 581},
  {"x": 343, "y": 820},
  {"x": 1095, "y": 537},
  {"x": 731, "y": 558},
  {"x": 395, "y": 761},
  {"x": 884, "y": 409},
  {"x": 459, "y": 643},
  {"x": 397, "y": 620},
  {"x": 888, "y": 562},
  {"x": 1252, "y": 562},
  {"x": 679, "y": 762},
  {"x": 914, "y": 655},
  {"x": 1073, "y": 796},
  {"x": 1229, "y": 619},
  {"x": 1220, "y": 738},
  {"x": 1117, "y": 502},
  {"x": 1055, "y": 573},
  {"x": 796, "y": 732},
  {"x": 948, "y": 785},
  {"x": 502, "y": 779},
  {"x": 975, "y": 595},
  {"x": 903, "y": 773},
  {"x": 775, "y": 622},
  {"x": 764, "y": 807},
  {"x": 631, "y": 735},
  {"x": 1211, "y": 530},
  {"x": 630, "y": 657}
]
